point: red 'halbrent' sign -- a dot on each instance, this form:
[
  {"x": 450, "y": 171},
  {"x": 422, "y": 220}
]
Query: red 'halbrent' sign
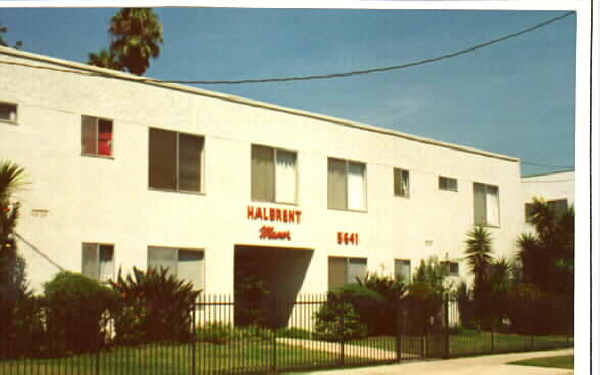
[
  {"x": 267, "y": 232},
  {"x": 283, "y": 215}
]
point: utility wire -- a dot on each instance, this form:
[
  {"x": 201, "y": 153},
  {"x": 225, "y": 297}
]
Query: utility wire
[
  {"x": 313, "y": 77},
  {"x": 381, "y": 69}
]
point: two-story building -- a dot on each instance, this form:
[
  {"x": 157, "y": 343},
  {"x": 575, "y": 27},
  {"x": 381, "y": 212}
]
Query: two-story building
[{"x": 125, "y": 171}]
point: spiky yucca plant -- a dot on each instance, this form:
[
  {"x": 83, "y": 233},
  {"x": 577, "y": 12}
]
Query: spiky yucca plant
[{"x": 154, "y": 306}]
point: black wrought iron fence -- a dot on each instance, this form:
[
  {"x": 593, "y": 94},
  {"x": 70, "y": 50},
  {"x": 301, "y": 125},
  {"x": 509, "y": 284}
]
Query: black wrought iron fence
[{"x": 309, "y": 332}]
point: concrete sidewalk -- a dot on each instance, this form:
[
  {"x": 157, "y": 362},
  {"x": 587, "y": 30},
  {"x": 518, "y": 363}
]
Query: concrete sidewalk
[{"x": 482, "y": 365}]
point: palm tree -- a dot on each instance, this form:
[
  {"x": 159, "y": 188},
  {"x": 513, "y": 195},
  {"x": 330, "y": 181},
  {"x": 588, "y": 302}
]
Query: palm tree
[
  {"x": 104, "y": 59},
  {"x": 479, "y": 258},
  {"x": 12, "y": 266},
  {"x": 547, "y": 255},
  {"x": 136, "y": 37},
  {"x": 479, "y": 250}
]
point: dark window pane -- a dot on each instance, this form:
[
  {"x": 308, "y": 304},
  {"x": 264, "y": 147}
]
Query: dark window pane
[
  {"x": 357, "y": 269},
  {"x": 528, "y": 212},
  {"x": 337, "y": 272},
  {"x": 263, "y": 176},
  {"x": 162, "y": 257},
  {"x": 559, "y": 207},
  {"x": 400, "y": 182},
  {"x": 163, "y": 159},
  {"x": 336, "y": 184},
  {"x": 8, "y": 112},
  {"x": 89, "y": 260},
  {"x": 190, "y": 162},
  {"x": 479, "y": 204},
  {"x": 88, "y": 135}
]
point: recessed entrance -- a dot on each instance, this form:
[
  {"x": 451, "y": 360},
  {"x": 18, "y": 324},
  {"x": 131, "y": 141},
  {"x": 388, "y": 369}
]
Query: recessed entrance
[{"x": 267, "y": 281}]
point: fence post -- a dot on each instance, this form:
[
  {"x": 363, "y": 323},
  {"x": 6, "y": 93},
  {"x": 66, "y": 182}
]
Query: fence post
[
  {"x": 97, "y": 361},
  {"x": 398, "y": 330},
  {"x": 194, "y": 339},
  {"x": 273, "y": 324},
  {"x": 447, "y": 327},
  {"x": 342, "y": 338},
  {"x": 531, "y": 342},
  {"x": 492, "y": 333}
]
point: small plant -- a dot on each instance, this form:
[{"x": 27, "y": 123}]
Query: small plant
[
  {"x": 153, "y": 306},
  {"x": 338, "y": 319},
  {"x": 76, "y": 313}
]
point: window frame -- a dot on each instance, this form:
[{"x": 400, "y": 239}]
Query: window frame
[
  {"x": 347, "y": 169},
  {"x": 401, "y": 171},
  {"x": 297, "y": 177},
  {"x": 177, "y": 161},
  {"x": 9, "y": 121},
  {"x": 97, "y": 120},
  {"x": 448, "y": 264},
  {"x": 486, "y": 224},
  {"x": 405, "y": 261},
  {"x": 97, "y": 248},
  {"x": 447, "y": 179},
  {"x": 177, "y": 249},
  {"x": 346, "y": 264}
]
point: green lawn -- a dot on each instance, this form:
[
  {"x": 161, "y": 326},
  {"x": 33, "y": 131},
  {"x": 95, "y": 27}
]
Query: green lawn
[
  {"x": 467, "y": 342},
  {"x": 562, "y": 361},
  {"x": 249, "y": 355}
]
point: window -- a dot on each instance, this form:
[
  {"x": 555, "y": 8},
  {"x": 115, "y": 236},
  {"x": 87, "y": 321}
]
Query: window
[
  {"x": 273, "y": 175},
  {"x": 175, "y": 161},
  {"x": 346, "y": 188},
  {"x": 558, "y": 206},
  {"x": 528, "y": 212},
  {"x": 186, "y": 264},
  {"x": 402, "y": 270},
  {"x": 344, "y": 271},
  {"x": 486, "y": 205},
  {"x": 97, "y": 261},
  {"x": 401, "y": 186},
  {"x": 451, "y": 267},
  {"x": 447, "y": 183},
  {"x": 8, "y": 112},
  {"x": 96, "y": 136}
]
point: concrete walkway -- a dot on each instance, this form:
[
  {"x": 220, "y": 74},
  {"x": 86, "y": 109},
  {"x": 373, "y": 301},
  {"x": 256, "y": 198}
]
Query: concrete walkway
[{"x": 482, "y": 365}]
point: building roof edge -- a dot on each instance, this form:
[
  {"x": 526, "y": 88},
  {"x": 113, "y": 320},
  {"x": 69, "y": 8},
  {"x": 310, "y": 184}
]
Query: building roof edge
[{"x": 245, "y": 101}]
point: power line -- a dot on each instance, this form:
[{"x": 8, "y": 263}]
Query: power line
[
  {"x": 381, "y": 69},
  {"x": 311, "y": 77}
]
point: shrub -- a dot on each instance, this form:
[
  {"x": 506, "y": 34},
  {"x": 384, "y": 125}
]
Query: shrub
[
  {"x": 338, "y": 318},
  {"x": 380, "y": 315},
  {"x": 465, "y": 307},
  {"x": 422, "y": 308},
  {"x": 251, "y": 298},
  {"x": 76, "y": 308},
  {"x": 523, "y": 310},
  {"x": 153, "y": 306}
]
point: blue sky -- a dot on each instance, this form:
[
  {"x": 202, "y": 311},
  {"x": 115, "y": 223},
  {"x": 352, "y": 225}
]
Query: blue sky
[{"x": 515, "y": 97}]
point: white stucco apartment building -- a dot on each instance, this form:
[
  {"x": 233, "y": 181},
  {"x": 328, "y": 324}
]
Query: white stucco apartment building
[{"x": 125, "y": 172}]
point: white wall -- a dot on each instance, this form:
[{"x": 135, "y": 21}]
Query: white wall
[
  {"x": 550, "y": 186},
  {"x": 107, "y": 200}
]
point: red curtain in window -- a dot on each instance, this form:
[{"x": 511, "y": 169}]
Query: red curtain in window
[{"x": 104, "y": 137}]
